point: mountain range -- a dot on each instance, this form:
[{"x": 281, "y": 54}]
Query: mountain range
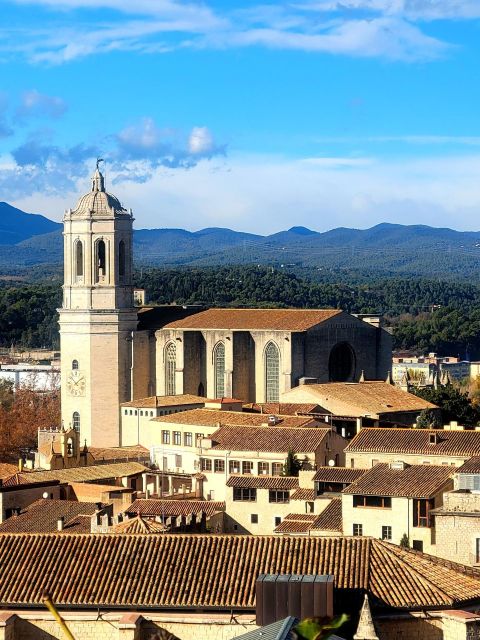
[{"x": 386, "y": 249}]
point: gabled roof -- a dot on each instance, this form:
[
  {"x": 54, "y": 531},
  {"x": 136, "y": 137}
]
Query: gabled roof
[
  {"x": 42, "y": 517},
  {"x": 151, "y": 507},
  {"x": 269, "y": 439},
  {"x": 214, "y": 417},
  {"x": 330, "y": 519},
  {"x": 139, "y": 525},
  {"x": 358, "y": 398},
  {"x": 432, "y": 442},
  {"x": 345, "y": 475},
  {"x": 470, "y": 466},
  {"x": 153, "y": 402},
  {"x": 85, "y": 474},
  {"x": 262, "y": 482},
  {"x": 416, "y": 481},
  {"x": 217, "y": 571},
  {"x": 255, "y": 319}
]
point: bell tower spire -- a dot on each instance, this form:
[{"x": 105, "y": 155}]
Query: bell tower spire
[{"x": 98, "y": 317}]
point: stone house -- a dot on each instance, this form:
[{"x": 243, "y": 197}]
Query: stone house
[{"x": 394, "y": 499}]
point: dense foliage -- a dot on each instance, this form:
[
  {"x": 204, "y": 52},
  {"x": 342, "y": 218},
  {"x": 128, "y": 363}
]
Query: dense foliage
[
  {"x": 426, "y": 315},
  {"x": 455, "y": 405}
]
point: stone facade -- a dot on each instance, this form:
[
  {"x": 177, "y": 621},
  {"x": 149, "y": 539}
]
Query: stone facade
[{"x": 457, "y": 526}]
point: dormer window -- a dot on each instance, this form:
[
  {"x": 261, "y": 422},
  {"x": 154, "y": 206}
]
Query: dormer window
[{"x": 432, "y": 438}]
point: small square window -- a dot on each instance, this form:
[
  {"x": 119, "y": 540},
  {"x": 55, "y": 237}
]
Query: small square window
[
  {"x": 358, "y": 529},
  {"x": 254, "y": 518},
  {"x": 386, "y": 533}
]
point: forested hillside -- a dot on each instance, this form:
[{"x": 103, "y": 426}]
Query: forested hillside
[{"x": 425, "y": 315}]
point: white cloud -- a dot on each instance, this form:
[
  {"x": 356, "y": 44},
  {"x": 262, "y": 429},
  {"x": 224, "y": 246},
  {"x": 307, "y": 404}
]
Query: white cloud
[
  {"x": 200, "y": 141},
  {"x": 366, "y": 28},
  {"x": 266, "y": 193},
  {"x": 34, "y": 103}
]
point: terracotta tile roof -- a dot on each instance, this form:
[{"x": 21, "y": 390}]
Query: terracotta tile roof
[
  {"x": 283, "y": 408},
  {"x": 133, "y": 452},
  {"x": 337, "y": 474},
  {"x": 255, "y": 319},
  {"x": 470, "y": 466},
  {"x": 139, "y": 525},
  {"x": 213, "y": 417},
  {"x": 359, "y": 398},
  {"x": 23, "y": 478},
  {"x": 417, "y": 481},
  {"x": 331, "y": 517},
  {"x": 150, "y": 507},
  {"x": 86, "y": 474},
  {"x": 269, "y": 439},
  {"x": 262, "y": 482},
  {"x": 7, "y": 469},
  {"x": 42, "y": 516},
  {"x": 416, "y": 441},
  {"x": 303, "y": 494},
  {"x": 217, "y": 571},
  {"x": 294, "y": 525},
  {"x": 164, "y": 401}
]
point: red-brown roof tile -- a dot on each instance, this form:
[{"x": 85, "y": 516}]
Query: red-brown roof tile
[
  {"x": 213, "y": 417},
  {"x": 262, "y": 482},
  {"x": 331, "y": 517},
  {"x": 269, "y": 439},
  {"x": 217, "y": 571},
  {"x": 151, "y": 507},
  {"x": 416, "y": 441},
  {"x": 344, "y": 475},
  {"x": 255, "y": 319},
  {"x": 416, "y": 481}
]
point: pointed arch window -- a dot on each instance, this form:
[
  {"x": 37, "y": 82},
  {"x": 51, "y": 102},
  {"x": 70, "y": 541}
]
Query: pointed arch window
[
  {"x": 121, "y": 259},
  {"x": 170, "y": 367},
  {"x": 78, "y": 252},
  {"x": 76, "y": 421},
  {"x": 219, "y": 369},
  {"x": 100, "y": 261},
  {"x": 272, "y": 372}
]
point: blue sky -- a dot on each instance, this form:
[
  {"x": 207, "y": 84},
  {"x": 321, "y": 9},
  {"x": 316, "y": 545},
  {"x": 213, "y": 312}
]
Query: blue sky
[{"x": 253, "y": 115}]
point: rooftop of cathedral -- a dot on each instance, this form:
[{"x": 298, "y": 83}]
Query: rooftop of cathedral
[
  {"x": 464, "y": 444},
  {"x": 373, "y": 397},
  {"x": 218, "y": 572},
  {"x": 98, "y": 202},
  {"x": 416, "y": 481},
  {"x": 215, "y": 417},
  {"x": 269, "y": 439},
  {"x": 255, "y": 319}
]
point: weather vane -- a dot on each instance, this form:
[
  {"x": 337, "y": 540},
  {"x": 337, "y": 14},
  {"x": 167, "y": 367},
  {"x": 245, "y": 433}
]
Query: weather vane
[{"x": 99, "y": 160}]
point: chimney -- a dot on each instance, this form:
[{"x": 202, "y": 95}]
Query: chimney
[
  {"x": 60, "y": 523},
  {"x": 20, "y": 464}
]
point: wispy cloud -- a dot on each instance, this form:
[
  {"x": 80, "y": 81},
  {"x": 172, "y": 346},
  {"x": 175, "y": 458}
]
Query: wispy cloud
[
  {"x": 33, "y": 104},
  {"x": 389, "y": 29},
  {"x": 470, "y": 141}
]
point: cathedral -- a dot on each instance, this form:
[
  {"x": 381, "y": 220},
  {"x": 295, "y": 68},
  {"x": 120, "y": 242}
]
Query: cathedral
[{"x": 113, "y": 351}]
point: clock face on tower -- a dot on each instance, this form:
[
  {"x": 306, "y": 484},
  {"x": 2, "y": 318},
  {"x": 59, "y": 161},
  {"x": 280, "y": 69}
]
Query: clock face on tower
[{"x": 76, "y": 383}]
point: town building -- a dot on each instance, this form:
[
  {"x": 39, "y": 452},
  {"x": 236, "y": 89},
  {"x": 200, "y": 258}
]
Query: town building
[
  {"x": 412, "y": 446},
  {"x": 251, "y": 354},
  {"x": 394, "y": 500},
  {"x": 369, "y": 403},
  {"x": 211, "y": 593}
]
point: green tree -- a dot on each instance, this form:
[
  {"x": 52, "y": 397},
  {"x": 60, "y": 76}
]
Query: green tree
[
  {"x": 405, "y": 542},
  {"x": 429, "y": 419},
  {"x": 292, "y": 465},
  {"x": 454, "y": 404}
]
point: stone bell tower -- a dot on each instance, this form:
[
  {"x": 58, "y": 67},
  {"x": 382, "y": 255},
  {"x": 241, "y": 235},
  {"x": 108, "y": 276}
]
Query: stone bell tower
[{"x": 97, "y": 319}]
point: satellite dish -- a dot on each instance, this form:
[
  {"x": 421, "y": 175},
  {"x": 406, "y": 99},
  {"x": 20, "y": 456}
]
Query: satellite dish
[
  {"x": 331, "y": 463},
  {"x": 45, "y": 495}
]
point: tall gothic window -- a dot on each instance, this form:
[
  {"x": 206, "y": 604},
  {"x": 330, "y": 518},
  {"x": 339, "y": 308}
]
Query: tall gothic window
[
  {"x": 121, "y": 259},
  {"x": 78, "y": 259},
  {"x": 170, "y": 366},
  {"x": 219, "y": 369},
  {"x": 76, "y": 420},
  {"x": 100, "y": 261},
  {"x": 272, "y": 372}
]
